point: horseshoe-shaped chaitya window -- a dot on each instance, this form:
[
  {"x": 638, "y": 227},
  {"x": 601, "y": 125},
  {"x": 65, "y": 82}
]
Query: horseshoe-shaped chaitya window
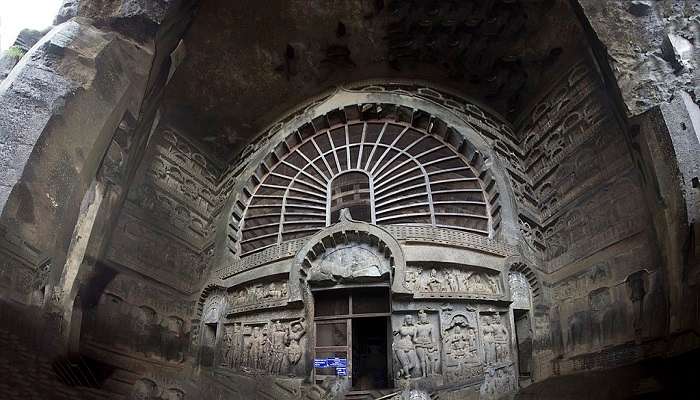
[{"x": 385, "y": 171}]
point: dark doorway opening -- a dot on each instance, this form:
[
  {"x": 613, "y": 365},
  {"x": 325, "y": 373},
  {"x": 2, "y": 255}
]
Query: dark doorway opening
[
  {"x": 523, "y": 336},
  {"x": 369, "y": 354},
  {"x": 352, "y": 326}
]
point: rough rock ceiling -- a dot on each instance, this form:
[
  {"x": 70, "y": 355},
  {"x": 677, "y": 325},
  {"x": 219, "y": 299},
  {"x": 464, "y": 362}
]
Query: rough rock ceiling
[{"x": 248, "y": 62}]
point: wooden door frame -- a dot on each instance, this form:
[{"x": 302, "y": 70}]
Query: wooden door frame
[{"x": 349, "y": 333}]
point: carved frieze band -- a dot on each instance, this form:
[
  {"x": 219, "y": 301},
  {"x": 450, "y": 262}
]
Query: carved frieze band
[
  {"x": 449, "y": 237},
  {"x": 418, "y": 234},
  {"x": 273, "y": 253},
  {"x": 453, "y": 283},
  {"x": 258, "y": 296}
]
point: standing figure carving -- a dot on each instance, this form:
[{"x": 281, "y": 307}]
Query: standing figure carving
[
  {"x": 228, "y": 346},
  {"x": 495, "y": 337},
  {"x": 488, "y": 333},
  {"x": 452, "y": 282},
  {"x": 234, "y": 346},
  {"x": 405, "y": 349},
  {"x": 294, "y": 351},
  {"x": 265, "y": 350},
  {"x": 279, "y": 337},
  {"x": 254, "y": 348},
  {"x": 501, "y": 339},
  {"x": 426, "y": 350}
]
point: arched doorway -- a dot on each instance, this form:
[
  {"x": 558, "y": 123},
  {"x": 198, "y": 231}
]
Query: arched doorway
[{"x": 353, "y": 335}]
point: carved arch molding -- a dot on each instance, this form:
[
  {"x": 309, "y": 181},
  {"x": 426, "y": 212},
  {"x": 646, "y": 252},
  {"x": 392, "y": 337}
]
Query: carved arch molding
[{"x": 364, "y": 251}]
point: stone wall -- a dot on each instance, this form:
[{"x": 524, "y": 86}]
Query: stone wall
[{"x": 599, "y": 258}]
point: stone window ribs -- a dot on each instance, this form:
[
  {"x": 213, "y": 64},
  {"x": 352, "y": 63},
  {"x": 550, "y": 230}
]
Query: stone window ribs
[{"x": 386, "y": 157}]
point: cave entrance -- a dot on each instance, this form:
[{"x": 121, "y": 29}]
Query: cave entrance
[
  {"x": 523, "y": 336},
  {"x": 353, "y": 336}
]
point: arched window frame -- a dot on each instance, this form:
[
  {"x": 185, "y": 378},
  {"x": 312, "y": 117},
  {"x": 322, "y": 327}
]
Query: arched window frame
[
  {"x": 449, "y": 140},
  {"x": 329, "y": 195}
]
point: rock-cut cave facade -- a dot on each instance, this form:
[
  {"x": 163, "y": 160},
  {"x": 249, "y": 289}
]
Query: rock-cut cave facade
[{"x": 352, "y": 200}]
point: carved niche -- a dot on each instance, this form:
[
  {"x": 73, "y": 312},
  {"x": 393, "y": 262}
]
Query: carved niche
[
  {"x": 438, "y": 281},
  {"x": 273, "y": 347},
  {"x": 462, "y": 355}
]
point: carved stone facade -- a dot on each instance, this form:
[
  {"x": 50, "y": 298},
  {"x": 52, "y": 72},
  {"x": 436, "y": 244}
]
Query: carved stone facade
[{"x": 487, "y": 220}]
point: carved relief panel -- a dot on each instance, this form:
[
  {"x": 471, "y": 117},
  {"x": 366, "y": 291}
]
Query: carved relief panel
[
  {"x": 273, "y": 347},
  {"x": 462, "y": 350},
  {"x": 448, "y": 346},
  {"x": 416, "y": 345},
  {"x": 437, "y": 281},
  {"x": 349, "y": 262},
  {"x": 145, "y": 326},
  {"x": 257, "y": 296},
  {"x": 495, "y": 338}
]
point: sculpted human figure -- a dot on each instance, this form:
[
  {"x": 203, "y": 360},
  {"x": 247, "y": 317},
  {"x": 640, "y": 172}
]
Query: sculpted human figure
[
  {"x": 405, "y": 349},
  {"x": 434, "y": 283},
  {"x": 240, "y": 299},
  {"x": 451, "y": 281},
  {"x": 237, "y": 345},
  {"x": 260, "y": 293},
  {"x": 471, "y": 340},
  {"x": 458, "y": 342},
  {"x": 501, "y": 339},
  {"x": 412, "y": 280},
  {"x": 279, "y": 338},
  {"x": 228, "y": 346},
  {"x": 274, "y": 292},
  {"x": 467, "y": 282},
  {"x": 492, "y": 283},
  {"x": 265, "y": 350},
  {"x": 489, "y": 336},
  {"x": 254, "y": 348},
  {"x": 479, "y": 285},
  {"x": 425, "y": 344},
  {"x": 294, "y": 351}
]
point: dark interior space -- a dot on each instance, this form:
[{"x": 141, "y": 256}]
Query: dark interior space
[{"x": 369, "y": 353}]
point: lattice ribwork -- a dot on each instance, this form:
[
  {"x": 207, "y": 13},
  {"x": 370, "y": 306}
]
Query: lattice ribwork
[{"x": 417, "y": 176}]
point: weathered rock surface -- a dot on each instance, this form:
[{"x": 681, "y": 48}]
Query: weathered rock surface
[
  {"x": 25, "y": 40},
  {"x": 138, "y": 19},
  {"x": 76, "y": 79},
  {"x": 653, "y": 47},
  {"x": 68, "y": 10}
]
